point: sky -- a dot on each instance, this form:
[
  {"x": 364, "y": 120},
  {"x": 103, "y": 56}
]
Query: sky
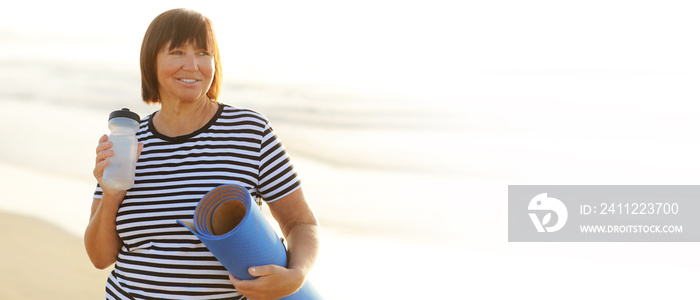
[{"x": 450, "y": 52}]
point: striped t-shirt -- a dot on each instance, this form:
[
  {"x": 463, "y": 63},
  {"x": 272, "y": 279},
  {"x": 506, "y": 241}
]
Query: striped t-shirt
[{"x": 160, "y": 259}]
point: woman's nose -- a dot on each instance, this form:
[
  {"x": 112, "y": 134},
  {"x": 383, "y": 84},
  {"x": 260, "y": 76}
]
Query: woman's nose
[{"x": 190, "y": 63}]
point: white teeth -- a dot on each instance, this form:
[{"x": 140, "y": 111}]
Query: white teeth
[{"x": 188, "y": 80}]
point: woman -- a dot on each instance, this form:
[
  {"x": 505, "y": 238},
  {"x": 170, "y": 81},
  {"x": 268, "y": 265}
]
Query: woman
[{"x": 188, "y": 147}]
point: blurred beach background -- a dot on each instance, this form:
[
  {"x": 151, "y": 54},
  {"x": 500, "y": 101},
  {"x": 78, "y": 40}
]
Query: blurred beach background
[{"x": 406, "y": 121}]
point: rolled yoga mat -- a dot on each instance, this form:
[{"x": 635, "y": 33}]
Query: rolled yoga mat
[{"x": 234, "y": 229}]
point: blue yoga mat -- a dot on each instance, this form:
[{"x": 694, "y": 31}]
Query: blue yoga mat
[{"x": 234, "y": 229}]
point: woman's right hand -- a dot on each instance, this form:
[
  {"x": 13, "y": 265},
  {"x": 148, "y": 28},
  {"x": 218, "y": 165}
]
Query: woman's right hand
[{"x": 103, "y": 151}]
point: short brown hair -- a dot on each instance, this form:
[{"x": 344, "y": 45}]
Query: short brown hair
[{"x": 177, "y": 26}]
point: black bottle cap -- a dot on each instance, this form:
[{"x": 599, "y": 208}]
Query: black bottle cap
[{"x": 124, "y": 113}]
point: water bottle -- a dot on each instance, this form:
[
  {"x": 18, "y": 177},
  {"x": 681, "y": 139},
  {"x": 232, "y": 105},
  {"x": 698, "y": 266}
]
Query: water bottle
[{"x": 119, "y": 174}]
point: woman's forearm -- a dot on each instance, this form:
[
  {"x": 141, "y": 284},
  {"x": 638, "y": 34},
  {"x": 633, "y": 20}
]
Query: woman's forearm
[
  {"x": 102, "y": 242},
  {"x": 303, "y": 244},
  {"x": 300, "y": 227}
]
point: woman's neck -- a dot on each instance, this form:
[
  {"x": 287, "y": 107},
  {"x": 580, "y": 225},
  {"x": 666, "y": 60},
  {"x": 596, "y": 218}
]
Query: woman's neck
[{"x": 181, "y": 118}]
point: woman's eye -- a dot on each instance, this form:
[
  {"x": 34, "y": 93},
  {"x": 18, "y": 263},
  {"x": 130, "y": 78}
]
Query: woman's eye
[
  {"x": 176, "y": 52},
  {"x": 204, "y": 53}
]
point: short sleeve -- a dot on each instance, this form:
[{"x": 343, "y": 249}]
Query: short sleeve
[
  {"x": 277, "y": 177},
  {"x": 98, "y": 192}
]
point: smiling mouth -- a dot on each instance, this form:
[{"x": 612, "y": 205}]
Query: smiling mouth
[{"x": 188, "y": 80}]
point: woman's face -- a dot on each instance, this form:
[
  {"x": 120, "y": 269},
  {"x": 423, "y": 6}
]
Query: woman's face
[{"x": 185, "y": 73}]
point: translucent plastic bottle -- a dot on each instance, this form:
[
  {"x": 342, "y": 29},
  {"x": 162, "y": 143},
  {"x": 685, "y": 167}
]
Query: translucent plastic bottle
[{"x": 119, "y": 174}]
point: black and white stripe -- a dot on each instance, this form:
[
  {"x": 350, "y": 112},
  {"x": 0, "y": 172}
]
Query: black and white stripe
[{"x": 160, "y": 259}]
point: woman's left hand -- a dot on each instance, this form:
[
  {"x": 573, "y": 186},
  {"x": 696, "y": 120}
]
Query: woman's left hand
[{"x": 273, "y": 282}]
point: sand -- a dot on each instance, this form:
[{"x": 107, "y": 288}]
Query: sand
[{"x": 42, "y": 261}]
